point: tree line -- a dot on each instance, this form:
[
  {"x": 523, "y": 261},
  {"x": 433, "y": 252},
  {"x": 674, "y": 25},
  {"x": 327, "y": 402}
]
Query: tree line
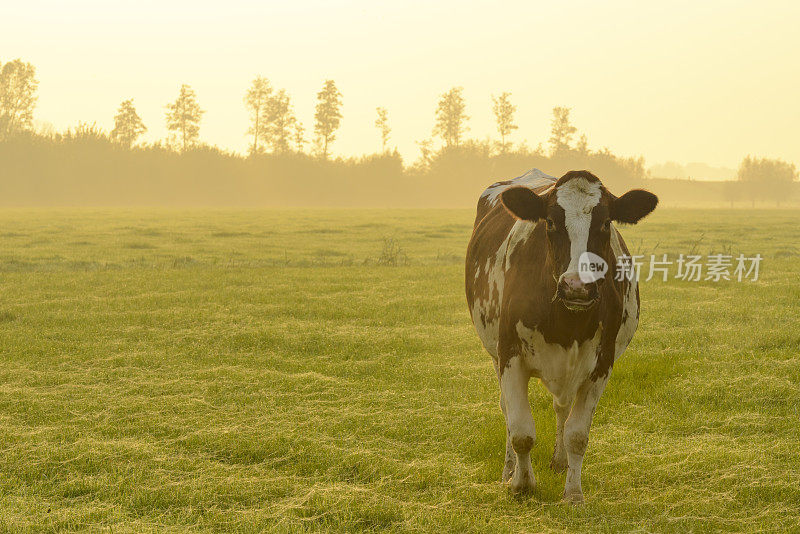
[
  {"x": 763, "y": 179},
  {"x": 274, "y": 127},
  {"x": 280, "y": 168}
]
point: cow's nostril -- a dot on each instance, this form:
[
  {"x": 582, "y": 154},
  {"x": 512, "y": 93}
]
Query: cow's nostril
[{"x": 573, "y": 282}]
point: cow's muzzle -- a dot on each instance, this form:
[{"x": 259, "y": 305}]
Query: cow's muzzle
[{"x": 575, "y": 294}]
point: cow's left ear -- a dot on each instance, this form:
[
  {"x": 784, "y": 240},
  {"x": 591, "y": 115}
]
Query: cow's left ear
[
  {"x": 633, "y": 205},
  {"x": 523, "y": 203}
]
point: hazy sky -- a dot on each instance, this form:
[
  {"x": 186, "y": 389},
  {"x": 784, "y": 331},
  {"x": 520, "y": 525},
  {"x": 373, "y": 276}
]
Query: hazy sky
[{"x": 684, "y": 80}]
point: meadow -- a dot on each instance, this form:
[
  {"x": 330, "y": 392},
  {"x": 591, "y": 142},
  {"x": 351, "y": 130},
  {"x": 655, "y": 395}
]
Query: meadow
[{"x": 316, "y": 370}]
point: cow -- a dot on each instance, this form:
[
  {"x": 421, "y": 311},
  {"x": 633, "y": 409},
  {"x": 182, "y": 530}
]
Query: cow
[{"x": 538, "y": 315}]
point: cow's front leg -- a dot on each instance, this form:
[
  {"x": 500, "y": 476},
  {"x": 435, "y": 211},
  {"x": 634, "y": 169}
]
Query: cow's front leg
[
  {"x": 514, "y": 387},
  {"x": 576, "y": 434},
  {"x": 559, "y": 461}
]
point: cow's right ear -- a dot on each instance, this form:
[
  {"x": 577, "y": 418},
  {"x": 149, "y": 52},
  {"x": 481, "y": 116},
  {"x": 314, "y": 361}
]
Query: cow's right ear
[
  {"x": 523, "y": 203},
  {"x": 633, "y": 205}
]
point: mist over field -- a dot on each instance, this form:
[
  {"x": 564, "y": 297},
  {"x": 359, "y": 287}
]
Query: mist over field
[{"x": 87, "y": 166}]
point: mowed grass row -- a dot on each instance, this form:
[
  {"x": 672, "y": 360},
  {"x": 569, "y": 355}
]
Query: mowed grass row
[{"x": 217, "y": 370}]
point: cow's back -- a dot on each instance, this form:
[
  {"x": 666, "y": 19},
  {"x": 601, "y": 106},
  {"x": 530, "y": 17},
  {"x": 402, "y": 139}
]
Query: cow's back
[{"x": 489, "y": 200}]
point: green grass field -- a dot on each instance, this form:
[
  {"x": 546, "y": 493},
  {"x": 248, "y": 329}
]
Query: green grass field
[{"x": 251, "y": 371}]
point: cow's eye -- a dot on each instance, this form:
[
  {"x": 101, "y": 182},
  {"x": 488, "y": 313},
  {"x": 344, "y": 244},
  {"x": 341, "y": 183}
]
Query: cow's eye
[
  {"x": 606, "y": 225},
  {"x": 551, "y": 225}
]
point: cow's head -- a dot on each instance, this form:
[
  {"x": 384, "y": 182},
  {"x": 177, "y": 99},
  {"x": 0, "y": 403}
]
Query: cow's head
[{"x": 577, "y": 214}]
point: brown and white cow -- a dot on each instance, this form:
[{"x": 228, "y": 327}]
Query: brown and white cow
[{"x": 539, "y": 317}]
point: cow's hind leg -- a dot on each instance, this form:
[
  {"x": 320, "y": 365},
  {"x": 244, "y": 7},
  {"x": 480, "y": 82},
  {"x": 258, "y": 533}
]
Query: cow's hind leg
[
  {"x": 510, "y": 458},
  {"x": 559, "y": 461},
  {"x": 514, "y": 387},
  {"x": 576, "y": 434}
]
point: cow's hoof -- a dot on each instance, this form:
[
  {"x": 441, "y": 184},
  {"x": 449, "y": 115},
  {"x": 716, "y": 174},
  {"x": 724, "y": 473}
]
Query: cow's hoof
[
  {"x": 522, "y": 489},
  {"x": 559, "y": 465},
  {"x": 524, "y": 483},
  {"x": 506, "y": 475},
  {"x": 574, "y": 497}
]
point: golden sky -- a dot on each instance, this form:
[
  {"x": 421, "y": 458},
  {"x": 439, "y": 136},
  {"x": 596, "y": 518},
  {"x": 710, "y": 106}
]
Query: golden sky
[{"x": 708, "y": 81}]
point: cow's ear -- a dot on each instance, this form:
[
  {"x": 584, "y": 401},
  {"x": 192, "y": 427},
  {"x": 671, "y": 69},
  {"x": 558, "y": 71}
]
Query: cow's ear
[
  {"x": 633, "y": 205},
  {"x": 523, "y": 203}
]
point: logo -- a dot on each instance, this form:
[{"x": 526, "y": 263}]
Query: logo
[{"x": 591, "y": 267}]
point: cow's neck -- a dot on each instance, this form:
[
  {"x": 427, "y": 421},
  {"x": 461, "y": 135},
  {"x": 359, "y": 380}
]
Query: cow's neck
[{"x": 565, "y": 327}]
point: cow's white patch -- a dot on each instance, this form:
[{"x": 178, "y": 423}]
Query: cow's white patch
[
  {"x": 616, "y": 245},
  {"x": 578, "y": 197},
  {"x": 486, "y": 312},
  {"x": 533, "y": 179},
  {"x": 518, "y": 234},
  {"x": 519, "y": 422},
  {"x": 630, "y": 322},
  {"x": 561, "y": 370},
  {"x": 630, "y": 308}
]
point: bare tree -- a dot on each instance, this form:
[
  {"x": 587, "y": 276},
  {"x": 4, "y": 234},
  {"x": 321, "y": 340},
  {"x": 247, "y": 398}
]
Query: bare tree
[
  {"x": 561, "y": 130},
  {"x": 504, "y": 117},
  {"x": 183, "y": 118},
  {"x": 128, "y": 126},
  {"x": 328, "y": 116},
  {"x": 451, "y": 117},
  {"x": 382, "y": 124},
  {"x": 257, "y": 102},
  {"x": 18, "y": 85}
]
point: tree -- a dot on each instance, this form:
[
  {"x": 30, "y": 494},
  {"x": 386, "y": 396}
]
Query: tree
[
  {"x": 425, "y": 153},
  {"x": 281, "y": 123},
  {"x": 299, "y": 136},
  {"x": 18, "y": 86},
  {"x": 328, "y": 116},
  {"x": 583, "y": 145},
  {"x": 749, "y": 178},
  {"x": 128, "y": 126},
  {"x": 257, "y": 101},
  {"x": 767, "y": 178},
  {"x": 561, "y": 130},
  {"x": 382, "y": 124},
  {"x": 183, "y": 118},
  {"x": 504, "y": 117},
  {"x": 451, "y": 117}
]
